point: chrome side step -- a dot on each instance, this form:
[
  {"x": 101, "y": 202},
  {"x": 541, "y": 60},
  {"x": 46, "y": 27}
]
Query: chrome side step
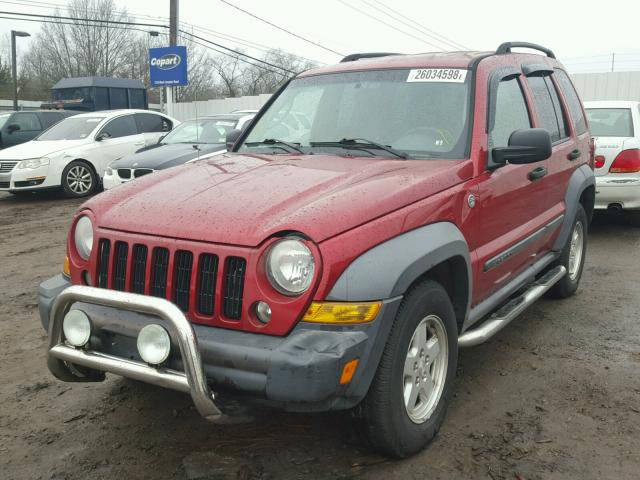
[{"x": 514, "y": 307}]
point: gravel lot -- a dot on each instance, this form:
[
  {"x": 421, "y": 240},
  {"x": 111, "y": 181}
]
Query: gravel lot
[{"x": 554, "y": 396}]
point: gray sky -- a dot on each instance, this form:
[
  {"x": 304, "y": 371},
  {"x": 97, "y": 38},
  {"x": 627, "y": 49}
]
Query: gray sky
[{"x": 579, "y": 34}]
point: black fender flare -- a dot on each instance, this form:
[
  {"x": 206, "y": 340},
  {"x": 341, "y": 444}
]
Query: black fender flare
[
  {"x": 581, "y": 179},
  {"x": 387, "y": 270}
]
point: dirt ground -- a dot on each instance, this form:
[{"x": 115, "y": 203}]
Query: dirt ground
[{"x": 556, "y": 395}]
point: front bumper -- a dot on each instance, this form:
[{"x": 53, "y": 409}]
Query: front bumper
[
  {"x": 26, "y": 179},
  {"x": 623, "y": 189},
  {"x": 299, "y": 372}
]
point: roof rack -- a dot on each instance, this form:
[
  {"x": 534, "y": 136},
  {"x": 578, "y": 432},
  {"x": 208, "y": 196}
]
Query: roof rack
[
  {"x": 357, "y": 56},
  {"x": 507, "y": 46}
]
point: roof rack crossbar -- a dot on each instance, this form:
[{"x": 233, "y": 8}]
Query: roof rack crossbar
[
  {"x": 357, "y": 56},
  {"x": 507, "y": 46}
]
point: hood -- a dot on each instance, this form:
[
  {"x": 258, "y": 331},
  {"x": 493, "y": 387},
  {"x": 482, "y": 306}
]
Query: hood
[
  {"x": 37, "y": 149},
  {"x": 165, "y": 156},
  {"x": 244, "y": 199}
]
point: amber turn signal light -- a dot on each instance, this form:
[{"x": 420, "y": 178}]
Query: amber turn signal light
[
  {"x": 348, "y": 371},
  {"x": 65, "y": 267},
  {"x": 342, "y": 313}
]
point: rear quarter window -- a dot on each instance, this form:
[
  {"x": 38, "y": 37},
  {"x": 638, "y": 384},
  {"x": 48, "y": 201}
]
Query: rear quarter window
[
  {"x": 610, "y": 122},
  {"x": 573, "y": 102},
  {"x": 547, "y": 105}
]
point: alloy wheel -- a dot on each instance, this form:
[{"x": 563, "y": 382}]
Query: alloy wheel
[{"x": 425, "y": 369}]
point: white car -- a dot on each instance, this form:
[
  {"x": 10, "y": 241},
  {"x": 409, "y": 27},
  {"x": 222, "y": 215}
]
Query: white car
[
  {"x": 74, "y": 153},
  {"x": 615, "y": 127}
]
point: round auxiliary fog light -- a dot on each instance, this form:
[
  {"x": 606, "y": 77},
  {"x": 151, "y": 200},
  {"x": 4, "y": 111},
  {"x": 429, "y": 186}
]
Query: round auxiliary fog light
[
  {"x": 77, "y": 328},
  {"x": 263, "y": 312},
  {"x": 154, "y": 344}
]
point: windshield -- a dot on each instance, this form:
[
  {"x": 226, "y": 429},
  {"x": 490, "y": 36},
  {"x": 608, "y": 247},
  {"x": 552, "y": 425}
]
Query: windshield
[
  {"x": 610, "y": 122},
  {"x": 72, "y": 128},
  {"x": 3, "y": 118},
  {"x": 206, "y": 130},
  {"x": 421, "y": 115}
]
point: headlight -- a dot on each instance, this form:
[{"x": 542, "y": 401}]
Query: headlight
[
  {"x": 290, "y": 267},
  {"x": 83, "y": 237},
  {"x": 34, "y": 163}
]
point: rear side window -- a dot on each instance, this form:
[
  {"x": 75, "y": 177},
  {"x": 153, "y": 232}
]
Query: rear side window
[
  {"x": 573, "y": 102},
  {"x": 548, "y": 107},
  {"x": 121, "y": 127},
  {"x": 610, "y": 122},
  {"x": 27, "y": 122},
  {"x": 49, "y": 118},
  {"x": 511, "y": 112},
  {"x": 148, "y": 122}
]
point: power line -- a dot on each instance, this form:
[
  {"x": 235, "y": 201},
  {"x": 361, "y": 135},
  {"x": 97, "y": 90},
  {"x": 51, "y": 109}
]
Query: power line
[
  {"x": 236, "y": 51},
  {"x": 241, "y": 41},
  {"x": 418, "y": 26},
  {"x": 238, "y": 58},
  {"x": 97, "y": 20},
  {"x": 109, "y": 22},
  {"x": 362, "y": 12},
  {"x": 280, "y": 28},
  {"x": 75, "y": 24}
]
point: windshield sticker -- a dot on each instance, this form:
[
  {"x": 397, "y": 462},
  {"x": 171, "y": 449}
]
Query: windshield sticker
[
  {"x": 93, "y": 120},
  {"x": 225, "y": 123},
  {"x": 454, "y": 75}
]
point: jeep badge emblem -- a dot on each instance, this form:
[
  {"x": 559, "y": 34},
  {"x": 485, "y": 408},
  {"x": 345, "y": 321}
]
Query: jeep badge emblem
[{"x": 471, "y": 200}]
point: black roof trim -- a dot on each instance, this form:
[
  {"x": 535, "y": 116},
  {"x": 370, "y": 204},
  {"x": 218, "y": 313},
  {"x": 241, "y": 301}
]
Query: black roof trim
[
  {"x": 357, "y": 56},
  {"x": 507, "y": 46}
]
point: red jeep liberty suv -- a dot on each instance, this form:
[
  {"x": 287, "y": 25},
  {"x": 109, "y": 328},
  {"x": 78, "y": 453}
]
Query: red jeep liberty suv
[{"x": 375, "y": 217}]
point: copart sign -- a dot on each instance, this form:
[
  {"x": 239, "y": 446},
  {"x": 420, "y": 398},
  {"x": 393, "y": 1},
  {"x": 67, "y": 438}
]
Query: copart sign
[{"x": 168, "y": 66}]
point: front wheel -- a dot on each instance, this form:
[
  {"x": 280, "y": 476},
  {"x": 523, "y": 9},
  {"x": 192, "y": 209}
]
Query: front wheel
[
  {"x": 407, "y": 401},
  {"x": 572, "y": 257},
  {"x": 79, "y": 179}
]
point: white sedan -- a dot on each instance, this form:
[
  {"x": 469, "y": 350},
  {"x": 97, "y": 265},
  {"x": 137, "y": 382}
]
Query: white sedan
[
  {"x": 615, "y": 127},
  {"x": 74, "y": 153}
]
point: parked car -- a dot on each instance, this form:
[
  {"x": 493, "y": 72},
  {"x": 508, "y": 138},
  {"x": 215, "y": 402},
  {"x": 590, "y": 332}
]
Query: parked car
[
  {"x": 433, "y": 198},
  {"x": 20, "y": 127},
  {"x": 74, "y": 153},
  {"x": 191, "y": 140},
  {"x": 615, "y": 127}
]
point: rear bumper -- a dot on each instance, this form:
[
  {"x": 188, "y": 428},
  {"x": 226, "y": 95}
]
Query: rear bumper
[
  {"x": 620, "y": 189},
  {"x": 299, "y": 372}
]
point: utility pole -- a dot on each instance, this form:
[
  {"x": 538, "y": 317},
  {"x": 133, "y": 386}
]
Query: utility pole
[
  {"x": 173, "y": 41},
  {"x": 14, "y": 64},
  {"x": 613, "y": 61}
]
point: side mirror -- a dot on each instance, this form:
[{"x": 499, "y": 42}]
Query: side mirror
[
  {"x": 13, "y": 127},
  {"x": 525, "y": 146},
  {"x": 232, "y": 136},
  {"x": 102, "y": 136}
]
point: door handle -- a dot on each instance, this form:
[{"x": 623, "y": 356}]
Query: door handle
[
  {"x": 574, "y": 154},
  {"x": 537, "y": 173}
]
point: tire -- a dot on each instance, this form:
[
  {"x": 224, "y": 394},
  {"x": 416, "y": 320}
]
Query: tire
[
  {"x": 384, "y": 418},
  {"x": 568, "y": 285},
  {"x": 79, "y": 179}
]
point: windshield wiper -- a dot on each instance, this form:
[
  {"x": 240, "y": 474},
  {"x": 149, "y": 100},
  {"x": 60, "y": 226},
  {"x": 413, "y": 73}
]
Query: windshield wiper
[
  {"x": 361, "y": 143},
  {"x": 275, "y": 141}
]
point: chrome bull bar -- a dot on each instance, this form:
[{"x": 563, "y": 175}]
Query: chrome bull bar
[{"x": 192, "y": 381}]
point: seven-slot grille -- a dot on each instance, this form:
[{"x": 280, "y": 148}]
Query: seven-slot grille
[
  {"x": 6, "y": 167},
  {"x": 115, "y": 258}
]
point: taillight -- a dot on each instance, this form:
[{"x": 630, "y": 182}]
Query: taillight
[
  {"x": 599, "y": 163},
  {"x": 627, "y": 161}
]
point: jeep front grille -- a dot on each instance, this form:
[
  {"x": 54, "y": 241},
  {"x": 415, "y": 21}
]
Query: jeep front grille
[{"x": 189, "y": 280}]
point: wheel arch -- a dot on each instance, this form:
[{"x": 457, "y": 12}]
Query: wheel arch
[
  {"x": 437, "y": 251},
  {"x": 580, "y": 191}
]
